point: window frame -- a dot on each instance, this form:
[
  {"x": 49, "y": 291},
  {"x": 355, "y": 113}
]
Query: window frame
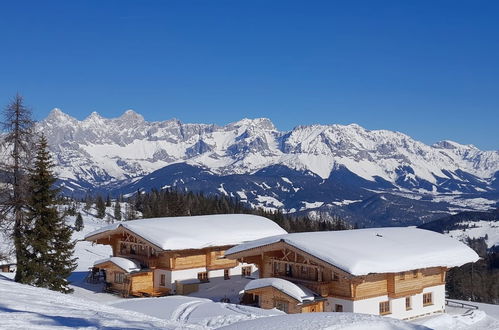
[
  {"x": 246, "y": 271},
  {"x": 162, "y": 280},
  {"x": 408, "y": 303},
  {"x": 203, "y": 277},
  {"x": 427, "y": 302},
  {"x": 384, "y": 307},
  {"x": 119, "y": 277},
  {"x": 282, "y": 303}
]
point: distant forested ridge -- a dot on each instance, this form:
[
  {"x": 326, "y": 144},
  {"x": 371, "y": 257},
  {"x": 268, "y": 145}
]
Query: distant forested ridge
[
  {"x": 172, "y": 203},
  {"x": 478, "y": 281}
]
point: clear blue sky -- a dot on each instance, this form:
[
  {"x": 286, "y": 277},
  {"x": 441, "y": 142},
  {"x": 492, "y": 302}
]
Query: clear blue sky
[{"x": 429, "y": 69}]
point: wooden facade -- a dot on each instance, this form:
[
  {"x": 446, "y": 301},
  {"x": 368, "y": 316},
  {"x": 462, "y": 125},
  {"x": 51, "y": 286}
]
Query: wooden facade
[
  {"x": 282, "y": 260},
  {"x": 7, "y": 268},
  {"x": 127, "y": 244}
]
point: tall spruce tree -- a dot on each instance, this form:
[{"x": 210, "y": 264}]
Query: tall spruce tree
[
  {"x": 46, "y": 234},
  {"x": 18, "y": 145},
  {"x": 79, "y": 222},
  {"x": 100, "y": 205},
  {"x": 117, "y": 210}
]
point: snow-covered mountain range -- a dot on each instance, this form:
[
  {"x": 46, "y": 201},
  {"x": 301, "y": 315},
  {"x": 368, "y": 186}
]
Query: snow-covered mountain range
[{"x": 329, "y": 168}]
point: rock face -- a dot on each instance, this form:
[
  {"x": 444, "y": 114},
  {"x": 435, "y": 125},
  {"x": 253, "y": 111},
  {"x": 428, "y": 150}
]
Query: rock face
[{"x": 328, "y": 168}]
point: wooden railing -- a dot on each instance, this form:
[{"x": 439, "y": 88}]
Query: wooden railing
[{"x": 459, "y": 304}]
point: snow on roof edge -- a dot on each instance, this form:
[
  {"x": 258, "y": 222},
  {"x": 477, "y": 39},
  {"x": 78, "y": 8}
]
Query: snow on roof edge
[
  {"x": 127, "y": 265},
  {"x": 374, "y": 250},
  {"x": 295, "y": 291},
  {"x": 176, "y": 233}
]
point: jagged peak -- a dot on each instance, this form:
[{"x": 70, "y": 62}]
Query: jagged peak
[
  {"x": 58, "y": 114},
  {"x": 265, "y": 123},
  {"x": 94, "y": 114},
  {"x": 131, "y": 115}
]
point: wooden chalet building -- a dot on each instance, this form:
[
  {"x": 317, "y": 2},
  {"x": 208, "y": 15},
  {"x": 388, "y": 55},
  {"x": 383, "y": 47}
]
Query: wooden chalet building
[
  {"x": 398, "y": 272},
  {"x": 153, "y": 257}
]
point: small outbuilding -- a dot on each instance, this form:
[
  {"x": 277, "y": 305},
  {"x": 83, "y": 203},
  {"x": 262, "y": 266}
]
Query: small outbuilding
[{"x": 284, "y": 295}]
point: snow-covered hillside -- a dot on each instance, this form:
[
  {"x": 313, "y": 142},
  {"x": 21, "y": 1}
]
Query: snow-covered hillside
[
  {"x": 470, "y": 225},
  {"x": 489, "y": 230},
  {"x": 26, "y": 307}
]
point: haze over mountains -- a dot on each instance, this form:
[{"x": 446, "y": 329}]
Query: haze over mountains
[{"x": 374, "y": 177}]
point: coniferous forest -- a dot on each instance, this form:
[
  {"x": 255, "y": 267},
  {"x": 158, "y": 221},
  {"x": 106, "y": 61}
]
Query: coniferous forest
[{"x": 171, "y": 203}]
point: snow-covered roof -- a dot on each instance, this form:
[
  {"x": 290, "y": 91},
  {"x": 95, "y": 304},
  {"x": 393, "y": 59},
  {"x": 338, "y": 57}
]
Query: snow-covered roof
[
  {"x": 298, "y": 292},
  {"x": 124, "y": 263},
  {"x": 375, "y": 250},
  {"x": 197, "y": 232}
]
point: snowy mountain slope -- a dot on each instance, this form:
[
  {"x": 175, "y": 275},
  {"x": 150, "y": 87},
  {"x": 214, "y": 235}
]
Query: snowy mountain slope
[
  {"x": 349, "y": 162},
  {"x": 471, "y": 225},
  {"x": 101, "y": 150}
]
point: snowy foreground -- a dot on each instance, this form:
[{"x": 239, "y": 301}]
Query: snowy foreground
[{"x": 25, "y": 307}]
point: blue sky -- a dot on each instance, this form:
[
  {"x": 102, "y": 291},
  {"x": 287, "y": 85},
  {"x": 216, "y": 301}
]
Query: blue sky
[{"x": 429, "y": 69}]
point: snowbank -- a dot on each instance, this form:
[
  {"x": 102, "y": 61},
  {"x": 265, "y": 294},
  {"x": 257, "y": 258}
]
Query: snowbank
[
  {"x": 194, "y": 311},
  {"x": 375, "y": 250},
  {"x": 297, "y": 292},
  {"x": 26, "y": 307},
  {"x": 197, "y": 232},
  {"x": 330, "y": 321}
]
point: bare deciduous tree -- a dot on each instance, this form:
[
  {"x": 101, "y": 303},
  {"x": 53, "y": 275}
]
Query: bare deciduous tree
[{"x": 17, "y": 147}]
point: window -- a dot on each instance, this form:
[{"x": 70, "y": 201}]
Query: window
[
  {"x": 384, "y": 308},
  {"x": 408, "y": 303},
  {"x": 288, "y": 270},
  {"x": 276, "y": 268},
  {"x": 118, "y": 277},
  {"x": 123, "y": 248},
  {"x": 281, "y": 305},
  {"x": 246, "y": 271},
  {"x": 338, "y": 308},
  {"x": 402, "y": 276},
  {"x": 427, "y": 299},
  {"x": 162, "y": 280},
  {"x": 414, "y": 273},
  {"x": 304, "y": 270},
  {"x": 336, "y": 277},
  {"x": 226, "y": 274},
  {"x": 203, "y": 276}
]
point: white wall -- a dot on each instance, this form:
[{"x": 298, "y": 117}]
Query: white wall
[
  {"x": 331, "y": 302},
  {"x": 192, "y": 274},
  {"x": 397, "y": 306}
]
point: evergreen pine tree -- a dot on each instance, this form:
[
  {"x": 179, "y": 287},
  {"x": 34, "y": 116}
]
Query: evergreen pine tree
[
  {"x": 117, "y": 211},
  {"x": 101, "y": 207},
  {"x": 79, "y": 222},
  {"x": 108, "y": 201},
  {"x": 46, "y": 234}
]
